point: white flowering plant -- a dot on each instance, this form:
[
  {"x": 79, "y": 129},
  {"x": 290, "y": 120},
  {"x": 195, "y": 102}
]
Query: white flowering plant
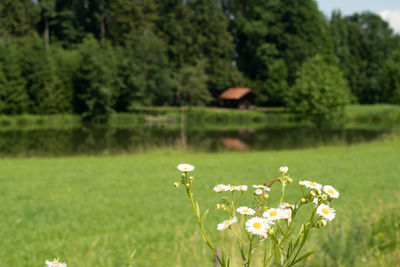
[
  {"x": 55, "y": 263},
  {"x": 261, "y": 227}
]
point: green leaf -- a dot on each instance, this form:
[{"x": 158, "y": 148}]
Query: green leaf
[
  {"x": 308, "y": 254},
  {"x": 204, "y": 215}
]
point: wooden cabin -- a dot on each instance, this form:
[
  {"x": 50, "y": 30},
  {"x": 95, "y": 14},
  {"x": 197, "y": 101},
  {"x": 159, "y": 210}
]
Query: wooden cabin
[{"x": 240, "y": 98}]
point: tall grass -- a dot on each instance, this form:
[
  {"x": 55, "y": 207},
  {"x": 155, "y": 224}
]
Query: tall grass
[{"x": 97, "y": 211}]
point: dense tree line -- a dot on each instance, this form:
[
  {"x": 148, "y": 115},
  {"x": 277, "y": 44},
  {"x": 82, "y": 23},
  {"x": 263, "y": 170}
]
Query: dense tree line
[{"x": 95, "y": 57}]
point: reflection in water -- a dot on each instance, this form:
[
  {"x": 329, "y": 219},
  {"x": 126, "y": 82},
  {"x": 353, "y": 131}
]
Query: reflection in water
[
  {"x": 108, "y": 140},
  {"x": 234, "y": 143}
]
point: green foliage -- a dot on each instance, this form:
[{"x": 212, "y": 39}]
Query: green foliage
[
  {"x": 123, "y": 27},
  {"x": 372, "y": 114},
  {"x": 192, "y": 85},
  {"x": 273, "y": 38},
  {"x": 319, "y": 94},
  {"x": 363, "y": 42},
  {"x": 95, "y": 82},
  {"x": 157, "y": 45},
  {"x": 389, "y": 79},
  {"x": 366, "y": 240},
  {"x": 13, "y": 94},
  {"x": 47, "y": 92},
  {"x": 18, "y": 17}
]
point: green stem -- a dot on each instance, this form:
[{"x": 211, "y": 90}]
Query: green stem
[
  {"x": 306, "y": 233},
  {"x": 249, "y": 253},
  {"x": 282, "y": 192},
  {"x": 197, "y": 213}
]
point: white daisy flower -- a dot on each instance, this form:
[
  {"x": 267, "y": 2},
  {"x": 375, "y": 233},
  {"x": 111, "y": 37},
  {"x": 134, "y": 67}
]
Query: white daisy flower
[
  {"x": 332, "y": 192},
  {"x": 286, "y": 214},
  {"x": 258, "y": 192},
  {"x": 55, "y": 263},
  {"x": 243, "y": 188},
  {"x": 246, "y": 211},
  {"x": 258, "y": 226},
  {"x": 225, "y": 224},
  {"x": 283, "y": 169},
  {"x": 220, "y": 187},
  {"x": 285, "y": 205},
  {"x": 311, "y": 185},
  {"x": 326, "y": 212},
  {"x": 233, "y": 188},
  {"x": 263, "y": 187},
  {"x": 273, "y": 214},
  {"x": 302, "y": 183},
  {"x": 183, "y": 167}
]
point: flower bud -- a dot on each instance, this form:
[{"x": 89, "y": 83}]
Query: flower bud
[
  {"x": 324, "y": 197},
  {"x": 289, "y": 180},
  {"x": 218, "y": 206},
  {"x": 303, "y": 200},
  {"x": 266, "y": 195},
  {"x": 270, "y": 232},
  {"x": 191, "y": 178},
  {"x": 312, "y": 192},
  {"x": 183, "y": 176},
  {"x": 187, "y": 185},
  {"x": 176, "y": 185},
  {"x": 322, "y": 223}
]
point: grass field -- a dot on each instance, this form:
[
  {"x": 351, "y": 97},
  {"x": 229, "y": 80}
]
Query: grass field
[{"x": 98, "y": 211}]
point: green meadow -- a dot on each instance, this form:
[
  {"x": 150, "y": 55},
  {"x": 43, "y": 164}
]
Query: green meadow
[{"x": 123, "y": 210}]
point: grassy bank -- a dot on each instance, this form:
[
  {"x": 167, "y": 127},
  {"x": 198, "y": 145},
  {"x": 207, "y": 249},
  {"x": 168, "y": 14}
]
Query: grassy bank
[
  {"x": 204, "y": 116},
  {"x": 383, "y": 113},
  {"x": 97, "y": 211}
]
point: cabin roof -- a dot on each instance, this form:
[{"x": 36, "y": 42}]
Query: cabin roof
[{"x": 234, "y": 93}]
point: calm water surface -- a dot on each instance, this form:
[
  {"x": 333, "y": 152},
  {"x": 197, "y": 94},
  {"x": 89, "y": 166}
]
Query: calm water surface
[{"x": 89, "y": 140}]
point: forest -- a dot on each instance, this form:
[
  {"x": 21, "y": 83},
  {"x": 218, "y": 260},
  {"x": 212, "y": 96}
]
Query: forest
[{"x": 97, "y": 57}]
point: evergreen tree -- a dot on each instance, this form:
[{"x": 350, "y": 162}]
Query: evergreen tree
[
  {"x": 370, "y": 42},
  {"x": 95, "y": 83},
  {"x": 14, "y": 98},
  {"x": 18, "y": 17},
  {"x": 129, "y": 19}
]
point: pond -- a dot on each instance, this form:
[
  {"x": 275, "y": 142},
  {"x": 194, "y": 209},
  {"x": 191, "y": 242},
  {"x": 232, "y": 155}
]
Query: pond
[{"x": 91, "y": 140}]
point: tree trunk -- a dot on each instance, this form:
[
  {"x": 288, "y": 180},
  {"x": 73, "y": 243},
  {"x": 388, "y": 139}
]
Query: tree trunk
[
  {"x": 102, "y": 25},
  {"x": 46, "y": 33}
]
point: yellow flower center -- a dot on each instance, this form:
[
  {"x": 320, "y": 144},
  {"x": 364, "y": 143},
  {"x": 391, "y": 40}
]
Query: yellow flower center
[
  {"x": 257, "y": 225},
  {"x": 245, "y": 211},
  {"x": 185, "y": 168},
  {"x": 313, "y": 184},
  {"x": 325, "y": 211},
  {"x": 273, "y": 213},
  {"x": 233, "y": 186},
  {"x": 330, "y": 191},
  {"x": 227, "y": 223},
  {"x": 55, "y": 263}
]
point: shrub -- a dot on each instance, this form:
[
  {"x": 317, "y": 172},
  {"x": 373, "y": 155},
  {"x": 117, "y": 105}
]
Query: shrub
[{"x": 319, "y": 94}]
